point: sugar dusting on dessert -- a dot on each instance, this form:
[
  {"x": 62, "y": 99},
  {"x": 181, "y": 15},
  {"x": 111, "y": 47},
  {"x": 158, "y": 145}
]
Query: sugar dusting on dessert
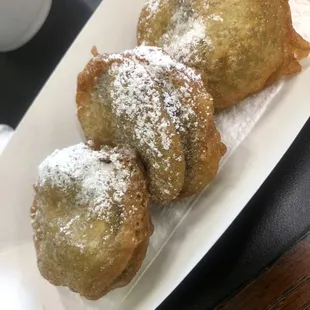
[
  {"x": 186, "y": 30},
  {"x": 153, "y": 6},
  {"x": 160, "y": 60},
  {"x": 147, "y": 107},
  {"x": 162, "y": 70},
  {"x": 85, "y": 185},
  {"x": 96, "y": 174},
  {"x": 155, "y": 98},
  {"x": 215, "y": 17},
  {"x": 186, "y": 33},
  {"x": 142, "y": 84},
  {"x": 135, "y": 98}
]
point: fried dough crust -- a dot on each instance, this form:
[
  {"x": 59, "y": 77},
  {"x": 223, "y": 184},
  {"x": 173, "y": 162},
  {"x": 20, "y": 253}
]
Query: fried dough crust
[
  {"x": 240, "y": 46},
  {"x": 159, "y": 107},
  {"x": 91, "y": 219}
]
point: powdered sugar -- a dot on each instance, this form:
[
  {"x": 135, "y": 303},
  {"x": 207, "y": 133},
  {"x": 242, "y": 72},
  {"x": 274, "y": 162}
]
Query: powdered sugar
[
  {"x": 143, "y": 82},
  {"x": 153, "y": 6},
  {"x": 135, "y": 98},
  {"x": 187, "y": 31},
  {"x": 215, "y": 17},
  {"x": 162, "y": 70},
  {"x": 160, "y": 61},
  {"x": 143, "y": 89},
  {"x": 97, "y": 174}
]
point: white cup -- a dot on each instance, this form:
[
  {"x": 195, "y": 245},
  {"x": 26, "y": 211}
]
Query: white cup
[
  {"x": 6, "y": 134},
  {"x": 20, "y": 20}
]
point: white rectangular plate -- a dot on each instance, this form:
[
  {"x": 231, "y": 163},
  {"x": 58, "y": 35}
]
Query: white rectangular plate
[{"x": 185, "y": 233}]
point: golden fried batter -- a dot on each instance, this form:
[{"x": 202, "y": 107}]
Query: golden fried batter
[
  {"x": 191, "y": 112},
  {"x": 240, "y": 46},
  {"x": 118, "y": 104},
  {"x": 145, "y": 99},
  {"x": 90, "y": 218}
]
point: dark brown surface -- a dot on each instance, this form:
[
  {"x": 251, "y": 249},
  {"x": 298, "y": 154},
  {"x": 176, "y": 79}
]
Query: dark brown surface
[{"x": 285, "y": 285}]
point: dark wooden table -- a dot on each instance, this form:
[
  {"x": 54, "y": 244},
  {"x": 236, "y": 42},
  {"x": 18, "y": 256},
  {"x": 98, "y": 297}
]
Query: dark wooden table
[{"x": 285, "y": 285}]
